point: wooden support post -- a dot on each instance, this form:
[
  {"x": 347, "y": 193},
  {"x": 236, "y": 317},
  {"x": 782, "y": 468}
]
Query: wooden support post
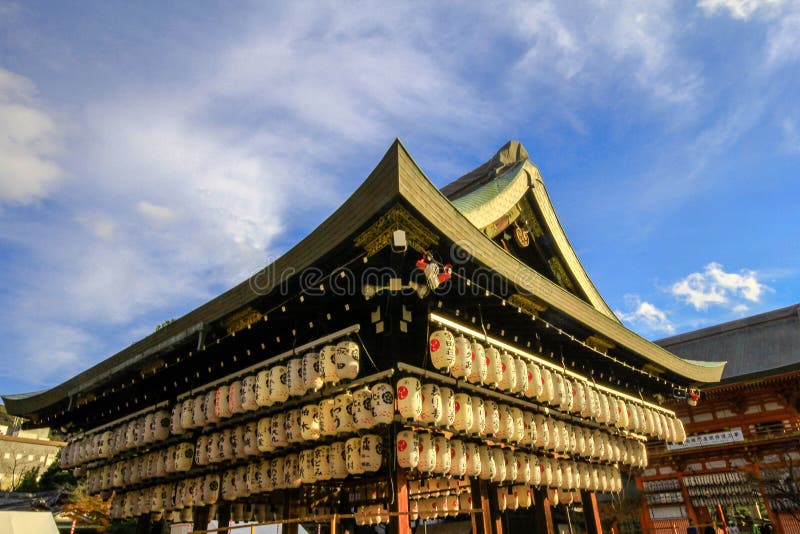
[
  {"x": 400, "y": 523},
  {"x": 591, "y": 513},
  {"x": 143, "y": 524},
  {"x": 200, "y": 518},
  {"x": 224, "y": 513},
  {"x": 542, "y": 514},
  {"x": 481, "y": 523},
  {"x": 288, "y": 528},
  {"x": 333, "y": 523},
  {"x": 496, "y": 516}
]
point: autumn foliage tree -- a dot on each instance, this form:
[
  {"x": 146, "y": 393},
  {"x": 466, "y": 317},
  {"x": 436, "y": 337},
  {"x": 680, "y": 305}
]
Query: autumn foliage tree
[{"x": 87, "y": 509}]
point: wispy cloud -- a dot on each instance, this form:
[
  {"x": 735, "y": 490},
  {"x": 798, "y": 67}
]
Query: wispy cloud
[
  {"x": 715, "y": 286},
  {"x": 29, "y": 140},
  {"x": 645, "y": 315},
  {"x": 738, "y": 9}
]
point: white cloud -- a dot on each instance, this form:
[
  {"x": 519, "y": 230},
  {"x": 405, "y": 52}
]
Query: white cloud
[
  {"x": 715, "y": 286},
  {"x": 154, "y": 213},
  {"x": 29, "y": 139},
  {"x": 738, "y": 9},
  {"x": 605, "y": 46},
  {"x": 782, "y": 45},
  {"x": 646, "y": 315},
  {"x": 791, "y": 135}
]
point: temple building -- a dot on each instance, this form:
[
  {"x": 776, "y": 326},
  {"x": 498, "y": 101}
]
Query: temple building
[
  {"x": 740, "y": 463},
  {"x": 424, "y": 356}
]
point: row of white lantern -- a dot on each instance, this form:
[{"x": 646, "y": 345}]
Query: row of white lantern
[
  {"x": 475, "y": 416},
  {"x": 356, "y": 456},
  {"x": 153, "y": 465},
  {"x": 439, "y": 455},
  {"x": 181, "y": 495},
  {"x": 268, "y": 387},
  {"x": 487, "y": 366}
]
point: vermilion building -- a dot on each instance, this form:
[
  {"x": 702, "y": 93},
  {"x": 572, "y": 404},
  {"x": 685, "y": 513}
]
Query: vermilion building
[{"x": 742, "y": 453}]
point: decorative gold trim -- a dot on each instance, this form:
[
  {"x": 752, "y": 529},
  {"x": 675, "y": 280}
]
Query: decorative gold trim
[
  {"x": 241, "y": 320},
  {"x": 528, "y": 304},
  {"x": 379, "y": 235}
]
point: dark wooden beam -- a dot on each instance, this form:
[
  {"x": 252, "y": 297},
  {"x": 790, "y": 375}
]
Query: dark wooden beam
[
  {"x": 591, "y": 513},
  {"x": 481, "y": 523},
  {"x": 200, "y": 518},
  {"x": 543, "y": 517}
]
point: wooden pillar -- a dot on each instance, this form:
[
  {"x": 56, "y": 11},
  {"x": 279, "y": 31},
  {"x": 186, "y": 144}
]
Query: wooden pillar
[
  {"x": 591, "y": 513},
  {"x": 143, "y": 524},
  {"x": 288, "y": 528},
  {"x": 481, "y": 523},
  {"x": 543, "y": 516},
  {"x": 200, "y": 518},
  {"x": 496, "y": 516},
  {"x": 224, "y": 513},
  {"x": 400, "y": 523}
]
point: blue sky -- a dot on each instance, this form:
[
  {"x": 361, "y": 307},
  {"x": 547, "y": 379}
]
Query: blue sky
[{"x": 154, "y": 154}]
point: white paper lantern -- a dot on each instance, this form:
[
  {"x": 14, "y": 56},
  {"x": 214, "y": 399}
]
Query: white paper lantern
[
  {"x": 680, "y": 431},
  {"x": 249, "y": 400},
  {"x": 505, "y": 429},
  {"x": 512, "y": 498},
  {"x": 199, "y": 411},
  {"x": 322, "y": 462},
  {"x": 338, "y": 458},
  {"x": 309, "y": 422},
  {"x": 547, "y": 392},
  {"x": 518, "y": 425},
  {"x": 294, "y": 426},
  {"x": 427, "y": 453},
  {"x": 541, "y": 423},
  {"x": 238, "y": 441},
  {"x": 458, "y": 458},
  {"x": 472, "y": 459},
  {"x": 262, "y": 388},
  {"x": 371, "y": 453},
  {"x": 537, "y": 470},
  {"x": 533, "y": 386},
  {"x": 462, "y": 364},
  {"x": 523, "y": 467},
  {"x": 291, "y": 471},
  {"x": 362, "y": 409},
  {"x": 524, "y": 495},
  {"x": 327, "y": 421},
  {"x": 306, "y": 459},
  {"x": 235, "y": 397},
  {"x": 560, "y": 391},
  {"x": 492, "y": 417},
  {"x": 353, "y": 456},
  {"x": 382, "y": 403},
  {"x": 448, "y": 407},
  {"x": 277, "y": 431},
  {"x": 409, "y": 397},
  {"x": 478, "y": 416},
  {"x": 250, "y": 439},
  {"x": 528, "y": 429},
  {"x": 327, "y": 364},
  {"x": 442, "y": 447},
  {"x": 407, "y": 449},
  {"x": 499, "y": 464},
  {"x": 175, "y": 427},
  {"x": 604, "y": 414},
  {"x": 263, "y": 438},
  {"x": 477, "y": 374},
  {"x": 278, "y": 384},
  {"x": 508, "y": 373},
  {"x": 510, "y": 463},
  {"x": 277, "y": 475},
  {"x": 201, "y": 450},
  {"x": 431, "y": 404},
  {"x": 294, "y": 377},
  {"x": 488, "y": 468},
  {"x": 567, "y": 400},
  {"x": 347, "y": 360},
  {"x": 184, "y": 455},
  {"x": 221, "y": 408},
  {"x": 443, "y": 349},
  {"x": 313, "y": 378},
  {"x": 462, "y": 406},
  {"x": 494, "y": 367},
  {"x": 149, "y": 437},
  {"x": 343, "y": 413}
]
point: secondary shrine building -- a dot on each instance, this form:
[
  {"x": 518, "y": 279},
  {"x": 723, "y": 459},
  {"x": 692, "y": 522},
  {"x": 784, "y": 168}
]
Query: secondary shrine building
[
  {"x": 425, "y": 356},
  {"x": 741, "y": 461}
]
